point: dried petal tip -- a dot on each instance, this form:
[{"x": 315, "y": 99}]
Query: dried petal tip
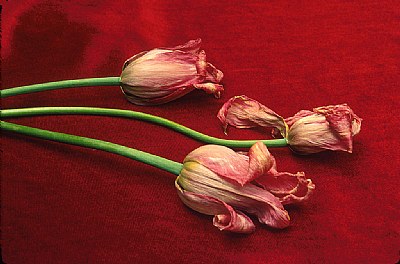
[{"x": 210, "y": 88}]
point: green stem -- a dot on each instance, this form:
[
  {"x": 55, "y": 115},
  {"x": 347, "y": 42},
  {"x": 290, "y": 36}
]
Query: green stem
[
  {"x": 105, "y": 81},
  {"x": 153, "y": 160},
  {"x": 139, "y": 116}
]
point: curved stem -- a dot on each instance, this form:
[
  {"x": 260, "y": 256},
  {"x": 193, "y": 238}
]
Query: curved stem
[
  {"x": 156, "y": 161},
  {"x": 139, "y": 116},
  {"x": 105, "y": 81}
]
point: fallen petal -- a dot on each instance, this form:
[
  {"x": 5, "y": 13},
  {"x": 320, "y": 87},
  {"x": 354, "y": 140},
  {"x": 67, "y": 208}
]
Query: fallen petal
[{"x": 244, "y": 112}]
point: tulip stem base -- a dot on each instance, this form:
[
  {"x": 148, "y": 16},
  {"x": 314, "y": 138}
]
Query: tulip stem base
[
  {"x": 153, "y": 160},
  {"x": 104, "y": 81},
  {"x": 139, "y": 116}
]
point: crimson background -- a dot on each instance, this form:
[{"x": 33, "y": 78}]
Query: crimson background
[{"x": 66, "y": 204}]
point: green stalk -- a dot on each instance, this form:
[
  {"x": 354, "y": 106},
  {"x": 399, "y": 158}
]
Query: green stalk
[
  {"x": 150, "y": 159},
  {"x": 139, "y": 116},
  {"x": 105, "y": 81}
]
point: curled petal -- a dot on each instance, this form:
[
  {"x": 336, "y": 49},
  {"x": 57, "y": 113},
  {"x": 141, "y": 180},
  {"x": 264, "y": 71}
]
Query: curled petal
[
  {"x": 233, "y": 166},
  {"x": 244, "y": 112},
  {"x": 226, "y": 218},
  {"x": 289, "y": 188},
  {"x": 260, "y": 161},
  {"x": 213, "y": 74}
]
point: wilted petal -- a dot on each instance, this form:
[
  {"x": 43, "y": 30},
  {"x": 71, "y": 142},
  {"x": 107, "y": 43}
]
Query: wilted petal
[
  {"x": 225, "y": 217},
  {"x": 244, "y": 112},
  {"x": 231, "y": 165},
  {"x": 288, "y": 187}
]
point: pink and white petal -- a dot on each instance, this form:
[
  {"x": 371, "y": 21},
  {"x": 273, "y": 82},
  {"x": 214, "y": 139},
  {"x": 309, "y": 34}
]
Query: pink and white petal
[
  {"x": 244, "y": 112},
  {"x": 341, "y": 117},
  {"x": 288, "y": 187},
  {"x": 273, "y": 217},
  {"x": 302, "y": 193},
  {"x": 235, "y": 221},
  {"x": 260, "y": 161},
  {"x": 340, "y": 120},
  {"x": 162, "y": 98},
  {"x": 225, "y": 217},
  {"x": 162, "y": 72},
  {"x": 263, "y": 204},
  {"x": 222, "y": 113},
  {"x": 302, "y": 113},
  {"x": 133, "y": 58},
  {"x": 233, "y": 166},
  {"x": 221, "y": 160}
]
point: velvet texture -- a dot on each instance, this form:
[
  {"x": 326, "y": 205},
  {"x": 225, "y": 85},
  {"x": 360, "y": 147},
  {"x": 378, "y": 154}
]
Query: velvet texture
[{"x": 66, "y": 204}]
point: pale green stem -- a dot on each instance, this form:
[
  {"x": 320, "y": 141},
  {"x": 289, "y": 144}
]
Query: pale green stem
[
  {"x": 139, "y": 116},
  {"x": 153, "y": 160},
  {"x": 104, "y": 81}
]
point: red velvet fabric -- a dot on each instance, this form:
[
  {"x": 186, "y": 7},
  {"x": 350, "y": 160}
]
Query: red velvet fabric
[{"x": 67, "y": 204}]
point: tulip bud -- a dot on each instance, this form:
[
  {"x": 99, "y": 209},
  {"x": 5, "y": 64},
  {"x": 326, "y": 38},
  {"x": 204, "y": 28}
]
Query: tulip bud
[
  {"x": 165, "y": 74},
  {"x": 217, "y": 181}
]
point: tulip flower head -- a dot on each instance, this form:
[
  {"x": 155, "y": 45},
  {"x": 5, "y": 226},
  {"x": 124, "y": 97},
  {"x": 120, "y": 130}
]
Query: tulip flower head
[
  {"x": 328, "y": 127},
  {"x": 325, "y": 128},
  {"x": 216, "y": 180},
  {"x": 165, "y": 74}
]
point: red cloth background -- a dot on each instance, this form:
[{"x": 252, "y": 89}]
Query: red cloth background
[{"x": 66, "y": 204}]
